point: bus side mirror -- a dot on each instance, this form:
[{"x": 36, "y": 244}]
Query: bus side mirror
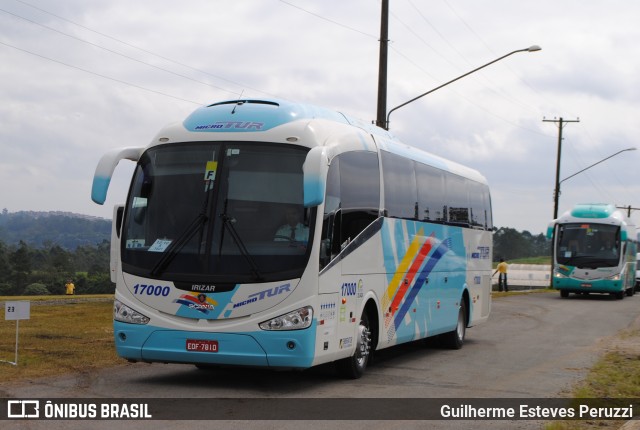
[
  {"x": 623, "y": 235},
  {"x": 314, "y": 171},
  {"x": 550, "y": 229},
  {"x": 105, "y": 168},
  {"x": 114, "y": 252}
]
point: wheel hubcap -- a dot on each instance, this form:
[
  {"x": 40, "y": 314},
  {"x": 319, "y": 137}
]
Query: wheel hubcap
[{"x": 363, "y": 346}]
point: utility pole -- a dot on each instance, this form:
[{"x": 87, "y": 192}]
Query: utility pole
[
  {"x": 629, "y": 209},
  {"x": 556, "y": 192},
  {"x": 381, "y": 116}
]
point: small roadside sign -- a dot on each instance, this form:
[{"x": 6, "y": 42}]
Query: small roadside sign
[{"x": 16, "y": 311}]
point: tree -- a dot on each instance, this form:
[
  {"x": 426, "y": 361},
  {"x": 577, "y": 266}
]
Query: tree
[
  {"x": 510, "y": 244},
  {"x": 59, "y": 260},
  {"x": 5, "y": 266},
  {"x": 21, "y": 261}
]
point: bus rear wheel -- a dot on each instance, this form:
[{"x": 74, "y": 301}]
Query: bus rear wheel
[
  {"x": 454, "y": 339},
  {"x": 353, "y": 367}
]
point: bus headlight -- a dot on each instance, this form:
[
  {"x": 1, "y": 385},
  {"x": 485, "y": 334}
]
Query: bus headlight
[
  {"x": 295, "y": 320},
  {"x": 615, "y": 277},
  {"x": 124, "y": 313},
  {"x": 559, "y": 275}
]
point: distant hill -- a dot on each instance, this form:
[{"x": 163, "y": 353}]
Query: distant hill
[{"x": 66, "y": 229}]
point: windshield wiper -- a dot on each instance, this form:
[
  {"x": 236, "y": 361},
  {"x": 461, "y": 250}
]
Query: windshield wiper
[
  {"x": 227, "y": 222},
  {"x": 175, "y": 247},
  {"x": 588, "y": 261}
]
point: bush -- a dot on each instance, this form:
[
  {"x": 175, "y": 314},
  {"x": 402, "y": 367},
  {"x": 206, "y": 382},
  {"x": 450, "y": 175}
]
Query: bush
[
  {"x": 36, "y": 290},
  {"x": 6, "y": 290}
]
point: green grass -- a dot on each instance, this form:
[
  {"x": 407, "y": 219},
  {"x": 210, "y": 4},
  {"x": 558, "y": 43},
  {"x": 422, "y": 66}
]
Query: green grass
[
  {"x": 616, "y": 375},
  {"x": 65, "y": 334},
  {"x": 528, "y": 260},
  {"x": 532, "y": 260}
]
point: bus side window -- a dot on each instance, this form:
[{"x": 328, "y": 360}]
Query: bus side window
[
  {"x": 456, "y": 191},
  {"x": 359, "y": 193},
  {"x": 431, "y": 194},
  {"x": 329, "y": 239},
  {"x": 352, "y": 201},
  {"x": 400, "y": 192}
]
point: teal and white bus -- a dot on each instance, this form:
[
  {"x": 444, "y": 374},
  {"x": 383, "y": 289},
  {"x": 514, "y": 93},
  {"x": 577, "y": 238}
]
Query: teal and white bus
[
  {"x": 594, "y": 251},
  {"x": 274, "y": 234}
]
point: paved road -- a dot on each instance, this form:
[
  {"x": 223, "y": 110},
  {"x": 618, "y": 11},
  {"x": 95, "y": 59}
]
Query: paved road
[{"x": 534, "y": 346}]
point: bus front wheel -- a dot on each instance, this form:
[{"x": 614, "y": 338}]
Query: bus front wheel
[{"x": 353, "y": 367}]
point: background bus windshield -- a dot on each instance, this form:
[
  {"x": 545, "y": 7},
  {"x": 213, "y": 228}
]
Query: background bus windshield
[
  {"x": 588, "y": 245},
  {"x": 218, "y": 211}
]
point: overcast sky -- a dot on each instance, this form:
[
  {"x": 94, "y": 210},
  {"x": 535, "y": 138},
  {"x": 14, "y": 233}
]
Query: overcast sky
[{"x": 79, "y": 77}]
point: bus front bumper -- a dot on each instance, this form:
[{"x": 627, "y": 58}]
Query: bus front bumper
[
  {"x": 281, "y": 349},
  {"x": 588, "y": 286}
]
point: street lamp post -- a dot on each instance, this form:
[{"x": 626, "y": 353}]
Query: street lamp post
[
  {"x": 532, "y": 48},
  {"x": 556, "y": 193}
]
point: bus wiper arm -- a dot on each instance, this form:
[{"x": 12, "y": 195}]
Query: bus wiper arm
[
  {"x": 175, "y": 247},
  {"x": 227, "y": 221}
]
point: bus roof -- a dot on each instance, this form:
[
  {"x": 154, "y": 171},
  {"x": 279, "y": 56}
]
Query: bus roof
[
  {"x": 255, "y": 115},
  {"x": 593, "y": 210},
  {"x": 594, "y": 213},
  {"x": 598, "y": 212}
]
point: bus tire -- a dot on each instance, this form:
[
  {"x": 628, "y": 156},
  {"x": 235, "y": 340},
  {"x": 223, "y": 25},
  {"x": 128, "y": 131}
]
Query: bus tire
[
  {"x": 353, "y": 367},
  {"x": 564, "y": 294},
  {"x": 455, "y": 339}
]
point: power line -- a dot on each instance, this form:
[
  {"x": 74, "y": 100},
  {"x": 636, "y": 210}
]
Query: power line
[
  {"x": 481, "y": 40},
  {"x": 629, "y": 209},
  {"x": 433, "y": 27},
  {"x": 490, "y": 87},
  {"x": 98, "y": 74},
  {"x": 421, "y": 39},
  {"x": 144, "y": 50},
  {"x": 117, "y": 53},
  {"x": 324, "y": 18}
]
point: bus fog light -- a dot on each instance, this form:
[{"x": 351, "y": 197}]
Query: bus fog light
[
  {"x": 124, "y": 313},
  {"x": 296, "y": 320}
]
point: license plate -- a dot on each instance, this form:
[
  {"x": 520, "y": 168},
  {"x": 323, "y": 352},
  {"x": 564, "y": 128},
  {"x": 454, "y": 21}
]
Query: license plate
[
  {"x": 585, "y": 285},
  {"x": 196, "y": 345}
]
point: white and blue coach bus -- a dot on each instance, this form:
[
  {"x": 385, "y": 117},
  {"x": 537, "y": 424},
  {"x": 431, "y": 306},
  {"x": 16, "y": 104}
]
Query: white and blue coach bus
[
  {"x": 594, "y": 250},
  {"x": 273, "y": 234}
]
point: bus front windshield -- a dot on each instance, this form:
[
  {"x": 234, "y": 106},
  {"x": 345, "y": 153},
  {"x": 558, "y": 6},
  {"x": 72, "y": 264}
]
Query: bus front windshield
[
  {"x": 588, "y": 245},
  {"x": 217, "y": 212}
]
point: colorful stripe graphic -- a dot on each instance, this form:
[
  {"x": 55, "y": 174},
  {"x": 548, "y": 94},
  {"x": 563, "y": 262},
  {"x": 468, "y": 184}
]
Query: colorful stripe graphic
[
  {"x": 394, "y": 284},
  {"x": 410, "y": 275},
  {"x": 417, "y": 286},
  {"x": 413, "y": 271}
]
